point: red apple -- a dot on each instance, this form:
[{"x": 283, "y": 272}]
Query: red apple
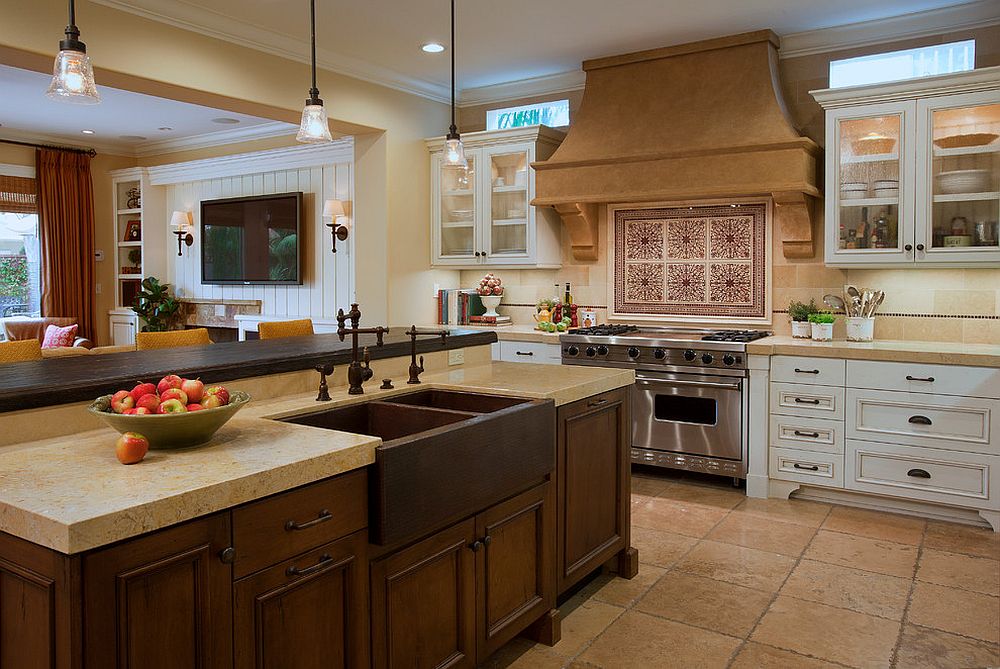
[
  {"x": 148, "y": 401},
  {"x": 142, "y": 389},
  {"x": 142, "y": 411},
  {"x": 122, "y": 401},
  {"x": 131, "y": 448},
  {"x": 194, "y": 407},
  {"x": 129, "y": 412},
  {"x": 218, "y": 391},
  {"x": 174, "y": 394},
  {"x": 172, "y": 406},
  {"x": 167, "y": 382},
  {"x": 211, "y": 402},
  {"x": 194, "y": 388}
]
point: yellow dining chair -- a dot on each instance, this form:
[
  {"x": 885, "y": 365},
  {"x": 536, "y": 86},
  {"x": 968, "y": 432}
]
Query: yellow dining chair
[
  {"x": 145, "y": 341},
  {"x": 275, "y": 329},
  {"x": 20, "y": 350}
]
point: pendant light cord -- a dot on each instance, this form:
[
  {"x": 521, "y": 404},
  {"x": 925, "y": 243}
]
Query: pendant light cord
[
  {"x": 72, "y": 12},
  {"x": 453, "y": 130},
  {"x": 313, "y": 92}
]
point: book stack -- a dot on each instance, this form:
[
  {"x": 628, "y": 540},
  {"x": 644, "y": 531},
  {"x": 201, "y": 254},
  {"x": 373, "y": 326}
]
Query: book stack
[{"x": 462, "y": 306}]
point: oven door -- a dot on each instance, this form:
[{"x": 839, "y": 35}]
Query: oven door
[{"x": 693, "y": 414}]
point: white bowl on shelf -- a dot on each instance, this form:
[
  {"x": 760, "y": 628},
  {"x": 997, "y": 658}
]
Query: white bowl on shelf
[
  {"x": 963, "y": 181},
  {"x": 853, "y": 190}
]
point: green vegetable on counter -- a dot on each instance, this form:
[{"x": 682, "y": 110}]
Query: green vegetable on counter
[{"x": 822, "y": 318}]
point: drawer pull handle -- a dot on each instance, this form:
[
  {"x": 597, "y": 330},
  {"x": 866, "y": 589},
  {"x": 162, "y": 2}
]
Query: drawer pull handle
[
  {"x": 292, "y": 526},
  {"x": 812, "y": 468},
  {"x": 811, "y": 435},
  {"x": 524, "y": 352},
  {"x": 295, "y": 571},
  {"x": 919, "y": 473},
  {"x": 597, "y": 403},
  {"x": 804, "y": 400},
  {"x": 928, "y": 379},
  {"x": 921, "y": 420},
  {"x": 806, "y": 371}
]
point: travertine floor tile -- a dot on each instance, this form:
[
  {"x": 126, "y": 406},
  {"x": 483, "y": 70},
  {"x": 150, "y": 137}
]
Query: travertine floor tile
[
  {"x": 681, "y": 518},
  {"x": 876, "y": 525},
  {"x": 811, "y": 514},
  {"x": 735, "y": 564},
  {"x": 649, "y": 487},
  {"x": 758, "y": 656},
  {"x": 611, "y": 589},
  {"x": 959, "y": 611},
  {"x": 703, "y": 602},
  {"x": 659, "y": 548},
  {"x": 862, "y": 591},
  {"x": 767, "y": 534},
  {"x": 848, "y": 550},
  {"x": 640, "y": 641},
  {"x": 524, "y": 654},
  {"x": 960, "y": 571},
  {"x": 720, "y": 498},
  {"x": 838, "y": 635},
  {"x": 923, "y": 648},
  {"x": 956, "y": 538},
  {"x": 583, "y": 620}
]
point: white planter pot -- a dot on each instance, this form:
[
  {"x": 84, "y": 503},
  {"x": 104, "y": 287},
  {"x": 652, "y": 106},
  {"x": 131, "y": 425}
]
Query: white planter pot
[
  {"x": 491, "y": 302},
  {"x": 860, "y": 328},
  {"x": 822, "y": 331},
  {"x": 801, "y": 329}
]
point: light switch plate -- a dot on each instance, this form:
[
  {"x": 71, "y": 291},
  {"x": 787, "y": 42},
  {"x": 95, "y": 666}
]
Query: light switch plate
[
  {"x": 220, "y": 310},
  {"x": 456, "y": 356}
]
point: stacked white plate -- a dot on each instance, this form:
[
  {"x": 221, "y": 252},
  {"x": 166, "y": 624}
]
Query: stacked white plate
[
  {"x": 853, "y": 190},
  {"x": 963, "y": 181},
  {"x": 886, "y": 188}
]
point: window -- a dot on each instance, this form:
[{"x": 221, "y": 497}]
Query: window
[
  {"x": 20, "y": 257},
  {"x": 909, "y": 64},
  {"x": 554, "y": 114}
]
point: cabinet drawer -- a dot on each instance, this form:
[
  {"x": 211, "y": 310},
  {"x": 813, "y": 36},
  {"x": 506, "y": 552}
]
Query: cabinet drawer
[
  {"x": 795, "y": 369},
  {"x": 926, "y": 474},
  {"x": 806, "y": 400},
  {"x": 282, "y": 526},
  {"x": 525, "y": 351},
  {"x": 916, "y": 378},
  {"x": 810, "y": 434},
  {"x": 958, "y": 423},
  {"x": 822, "y": 469}
]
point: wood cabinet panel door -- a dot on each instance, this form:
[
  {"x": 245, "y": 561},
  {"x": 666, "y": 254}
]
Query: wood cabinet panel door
[
  {"x": 309, "y": 612},
  {"x": 27, "y": 618},
  {"x": 515, "y": 579},
  {"x": 161, "y": 601},
  {"x": 424, "y": 603},
  {"x": 593, "y": 483}
]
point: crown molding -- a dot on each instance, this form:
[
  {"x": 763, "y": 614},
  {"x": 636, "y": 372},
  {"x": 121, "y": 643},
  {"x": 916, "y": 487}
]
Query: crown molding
[
  {"x": 242, "y": 164},
  {"x": 562, "y": 82},
  {"x": 983, "y": 79},
  {"x": 206, "y": 22},
  {"x": 218, "y": 138},
  {"x": 894, "y": 28}
]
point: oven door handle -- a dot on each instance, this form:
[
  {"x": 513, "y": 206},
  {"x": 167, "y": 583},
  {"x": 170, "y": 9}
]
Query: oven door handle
[{"x": 651, "y": 381}]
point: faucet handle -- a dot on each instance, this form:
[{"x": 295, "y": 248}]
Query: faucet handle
[
  {"x": 325, "y": 369},
  {"x": 366, "y": 358},
  {"x": 421, "y": 363}
]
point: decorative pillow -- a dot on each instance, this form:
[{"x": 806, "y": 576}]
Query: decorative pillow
[{"x": 57, "y": 337}]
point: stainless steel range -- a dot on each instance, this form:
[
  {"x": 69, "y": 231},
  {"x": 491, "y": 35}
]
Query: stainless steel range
[{"x": 689, "y": 405}]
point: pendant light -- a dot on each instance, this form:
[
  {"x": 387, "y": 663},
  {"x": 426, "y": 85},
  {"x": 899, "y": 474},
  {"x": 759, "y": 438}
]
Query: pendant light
[
  {"x": 454, "y": 151},
  {"x": 72, "y": 74},
  {"x": 314, "y": 128}
]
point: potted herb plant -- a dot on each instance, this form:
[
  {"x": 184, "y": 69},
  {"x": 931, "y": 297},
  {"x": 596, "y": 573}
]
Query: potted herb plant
[
  {"x": 822, "y": 326},
  {"x": 799, "y": 312},
  {"x": 155, "y": 306}
]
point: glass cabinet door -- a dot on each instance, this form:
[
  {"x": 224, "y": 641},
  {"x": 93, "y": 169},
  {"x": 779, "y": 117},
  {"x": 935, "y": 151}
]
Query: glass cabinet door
[
  {"x": 457, "y": 228},
  {"x": 872, "y": 162},
  {"x": 509, "y": 216},
  {"x": 960, "y": 206}
]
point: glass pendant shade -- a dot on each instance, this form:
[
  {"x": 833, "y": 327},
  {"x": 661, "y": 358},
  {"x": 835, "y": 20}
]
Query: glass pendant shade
[
  {"x": 454, "y": 154},
  {"x": 314, "y": 128},
  {"x": 73, "y": 79}
]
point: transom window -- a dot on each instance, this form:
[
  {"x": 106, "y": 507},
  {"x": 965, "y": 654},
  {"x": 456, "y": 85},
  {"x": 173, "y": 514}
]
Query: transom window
[
  {"x": 553, "y": 114},
  {"x": 925, "y": 61}
]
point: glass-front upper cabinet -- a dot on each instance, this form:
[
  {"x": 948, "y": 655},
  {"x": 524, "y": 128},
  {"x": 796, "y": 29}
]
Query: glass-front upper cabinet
[
  {"x": 509, "y": 212},
  {"x": 457, "y": 237},
  {"x": 959, "y": 203}
]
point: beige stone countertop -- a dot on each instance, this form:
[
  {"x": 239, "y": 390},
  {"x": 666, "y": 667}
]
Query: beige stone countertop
[
  {"x": 944, "y": 353},
  {"x": 507, "y": 332},
  {"x": 71, "y": 494}
]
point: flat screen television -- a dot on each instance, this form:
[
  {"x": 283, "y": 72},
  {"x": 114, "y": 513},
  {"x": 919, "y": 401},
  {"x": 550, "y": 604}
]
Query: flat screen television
[{"x": 252, "y": 240}]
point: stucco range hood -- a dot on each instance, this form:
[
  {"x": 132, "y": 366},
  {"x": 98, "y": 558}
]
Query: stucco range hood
[{"x": 695, "y": 121}]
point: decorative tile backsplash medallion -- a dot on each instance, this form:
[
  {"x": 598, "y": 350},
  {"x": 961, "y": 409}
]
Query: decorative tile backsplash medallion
[{"x": 707, "y": 261}]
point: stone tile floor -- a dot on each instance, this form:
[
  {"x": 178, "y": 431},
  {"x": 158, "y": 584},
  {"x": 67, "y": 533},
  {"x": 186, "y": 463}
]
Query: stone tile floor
[{"x": 727, "y": 581}]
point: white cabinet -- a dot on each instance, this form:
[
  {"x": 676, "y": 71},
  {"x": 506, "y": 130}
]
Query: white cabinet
[
  {"x": 913, "y": 172},
  {"x": 523, "y": 351},
  {"x": 124, "y": 324},
  {"x": 482, "y": 216}
]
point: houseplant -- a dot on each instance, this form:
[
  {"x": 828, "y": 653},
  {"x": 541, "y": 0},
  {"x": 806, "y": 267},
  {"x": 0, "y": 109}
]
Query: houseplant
[
  {"x": 822, "y": 326},
  {"x": 799, "y": 312},
  {"x": 155, "y": 306}
]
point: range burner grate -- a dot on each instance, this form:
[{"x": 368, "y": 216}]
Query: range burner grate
[
  {"x": 741, "y": 336},
  {"x": 606, "y": 330}
]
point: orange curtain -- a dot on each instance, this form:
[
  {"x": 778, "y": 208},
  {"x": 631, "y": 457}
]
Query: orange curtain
[{"x": 66, "y": 235}]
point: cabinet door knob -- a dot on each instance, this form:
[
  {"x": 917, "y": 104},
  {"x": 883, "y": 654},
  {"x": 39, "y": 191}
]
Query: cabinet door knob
[
  {"x": 227, "y": 555},
  {"x": 908, "y": 248},
  {"x": 920, "y": 247},
  {"x": 487, "y": 539},
  {"x": 476, "y": 545},
  {"x": 919, "y": 473},
  {"x": 324, "y": 515}
]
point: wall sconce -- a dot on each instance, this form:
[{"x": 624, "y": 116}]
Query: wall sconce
[
  {"x": 336, "y": 210},
  {"x": 181, "y": 222}
]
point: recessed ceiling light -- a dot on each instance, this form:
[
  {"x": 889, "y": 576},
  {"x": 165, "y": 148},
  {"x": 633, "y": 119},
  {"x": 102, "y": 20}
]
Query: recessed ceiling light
[
  {"x": 132, "y": 138},
  {"x": 87, "y": 132},
  {"x": 225, "y": 120},
  {"x": 165, "y": 128},
  {"x": 433, "y": 47}
]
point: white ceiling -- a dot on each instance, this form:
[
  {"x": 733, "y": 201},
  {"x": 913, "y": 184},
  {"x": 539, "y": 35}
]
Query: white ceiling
[
  {"x": 498, "y": 42},
  {"x": 25, "y": 112}
]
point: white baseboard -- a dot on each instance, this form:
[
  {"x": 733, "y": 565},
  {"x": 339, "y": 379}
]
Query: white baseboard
[{"x": 890, "y": 504}]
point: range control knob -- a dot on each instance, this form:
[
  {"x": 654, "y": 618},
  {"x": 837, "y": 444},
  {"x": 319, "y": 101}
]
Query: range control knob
[
  {"x": 707, "y": 358},
  {"x": 572, "y": 350},
  {"x": 729, "y": 359},
  {"x": 602, "y": 350},
  {"x": 591, "y": 351},
  {"x": 689, "y": 355},
  {"x": 633, "y": 352},
  {"x": 659, "y": 354}
]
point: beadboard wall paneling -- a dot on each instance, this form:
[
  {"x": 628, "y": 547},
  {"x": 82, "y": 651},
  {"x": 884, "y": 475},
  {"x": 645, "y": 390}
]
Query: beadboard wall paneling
[{"x": 328, "y": 279}]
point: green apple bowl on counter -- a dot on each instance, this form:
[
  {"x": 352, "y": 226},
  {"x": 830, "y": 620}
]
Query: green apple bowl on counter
[{"x": 174, "y": 413}]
